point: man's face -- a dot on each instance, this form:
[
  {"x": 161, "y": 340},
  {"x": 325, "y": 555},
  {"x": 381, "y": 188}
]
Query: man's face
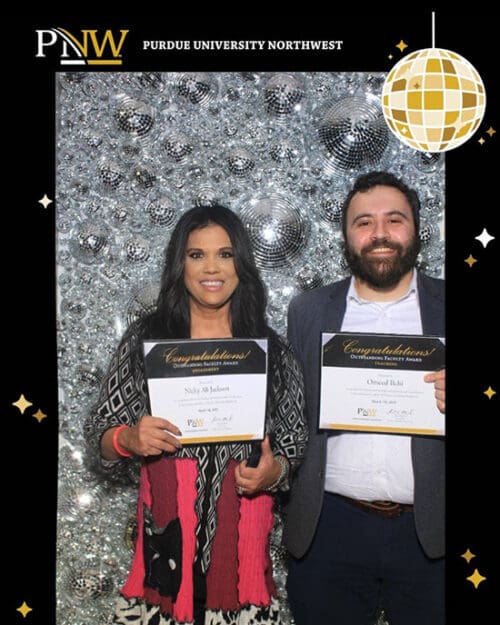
[{"x": 381, "y": 243}]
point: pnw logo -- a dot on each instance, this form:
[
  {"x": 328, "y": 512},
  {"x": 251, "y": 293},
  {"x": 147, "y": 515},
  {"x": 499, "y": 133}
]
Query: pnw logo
[{"x": 90, "y": 47}]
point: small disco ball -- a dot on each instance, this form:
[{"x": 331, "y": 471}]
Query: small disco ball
[
  {"x": 152, "y": 82},
  {"x": 88, "y": 583},
  {"x": 240, "y": 162},
  {"x": 120, "y": 214},
  {"x": 133, "y": 117},
  {"x": 90, "y": 377},
  {"x": 162, "y": 212},
  {"x": 284, "y": 152},
  {"x": 144, "y": 178},
  {"x": 75, "y": 310},
  {"x": 197, "y": 87},
  {"x": 426, "y": 233},
  {"x": 283, "y": 93},
  {"x": 93, "y": 139},
  {"x": 129, "y": 150},
  {"x": 427, "y": 162},
  {"x": 89, "y": 242},
  {"x": 206, "y": 196},
  {"x": 110, "y": 174},
  {"x": 72, "y": 78},
  {"x": 354, "y": 132},
  {"x": 137, "y": 249},
  {"x": 433, "y": 100},
  {"x": 142, "y": 302},
  {"x": 178, "y": 147},
  {"x": 308, "y": 279},
  {"x": 74, "y": 501},
  {"x": 331, "y": 210},
  {"x": 277, "y": 230},
  {"x": 433, "y": 205}
]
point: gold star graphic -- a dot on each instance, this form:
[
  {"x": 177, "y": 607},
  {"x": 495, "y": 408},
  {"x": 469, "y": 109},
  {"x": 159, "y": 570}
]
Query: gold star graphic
[
  {"x": 45, "y": 201},
  {"x": 476, "y": 578},
  {"x": 22, "y": 403},
  {"x": 468, "y": 555},
  {"x": 401, "y": 45},
  {"x": 24, "y": 609},
  {"x": 39, "y": 415},
  {"x": 416, "y": 85},
  {"x": 489, "y": 392},
  {"x": 481, "y": 141},
  {"x": 491, "y": 131},
  {"x": 470, "y": 260}
]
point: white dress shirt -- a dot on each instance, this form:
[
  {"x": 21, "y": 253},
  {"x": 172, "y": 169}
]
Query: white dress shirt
[{"x": 374, "y": 466}]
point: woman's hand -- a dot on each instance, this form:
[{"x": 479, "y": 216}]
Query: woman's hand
[
  {"x": 250, "y": 481},
  {"x": 151, "y": 436},
  {"x": 439, "y": 379}
]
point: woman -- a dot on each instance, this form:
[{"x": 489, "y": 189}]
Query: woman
[{"x": 204, "y": 515}]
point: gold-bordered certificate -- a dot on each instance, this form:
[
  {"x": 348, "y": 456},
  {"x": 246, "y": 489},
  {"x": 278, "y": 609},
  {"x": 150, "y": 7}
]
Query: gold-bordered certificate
[
  {"x": 214, "y": 391},
  {"x": 375, "y": 383}
]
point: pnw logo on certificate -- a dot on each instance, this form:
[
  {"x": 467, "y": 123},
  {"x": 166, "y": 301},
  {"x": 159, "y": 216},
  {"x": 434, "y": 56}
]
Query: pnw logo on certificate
[
  {"x": 214, "y": 391},
  {"x": 375, "y": 383}
]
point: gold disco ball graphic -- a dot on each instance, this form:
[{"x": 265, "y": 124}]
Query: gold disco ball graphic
[{"x": 433, "y": 100}]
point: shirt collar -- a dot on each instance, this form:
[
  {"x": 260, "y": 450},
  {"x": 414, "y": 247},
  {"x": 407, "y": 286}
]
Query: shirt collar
[{"x": 352, "y": 294}]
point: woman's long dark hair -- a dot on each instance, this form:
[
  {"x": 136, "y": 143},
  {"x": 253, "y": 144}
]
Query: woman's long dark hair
[{"x": 248, "y": 302}]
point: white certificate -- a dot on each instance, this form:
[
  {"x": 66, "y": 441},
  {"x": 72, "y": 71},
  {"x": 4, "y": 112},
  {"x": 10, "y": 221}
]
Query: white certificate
[
  {"x": 213, "y": 390},
  {"x": 375, "y": 383}
]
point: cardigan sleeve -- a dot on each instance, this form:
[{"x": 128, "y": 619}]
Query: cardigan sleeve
[
  {"x": 122, "y": 401},
  {"x": 288, "y": 419}
]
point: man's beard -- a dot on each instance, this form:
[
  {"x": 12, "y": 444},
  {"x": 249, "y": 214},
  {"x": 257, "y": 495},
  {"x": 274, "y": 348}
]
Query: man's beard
[{"x": 382, "y": 273}]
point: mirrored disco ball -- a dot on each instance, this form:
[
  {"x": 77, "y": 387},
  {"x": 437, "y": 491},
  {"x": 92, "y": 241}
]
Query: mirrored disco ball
[
  {"x": 162, "y": 212},
  {"x": 277, "y": 230},
  {"x": 206, "y": 196},
  {"x": 178, "y": 147},
  {"x": 119, "y": 214},
  {"x": 89, "y": 377},
  {"x": 89, "y": 242},
  {"x": 152, "y": 82},
  {"x": 71, "y": 78},
  {"x": 133, "y": 117},
  {"x": 283, "y": 93},
  {"x": 137, "y": 249},
  {"x": 432, "y": 205},
  {"x": 240, "y": 162},
  {"x": 88, "y": 583},
  {"x": 144, "y": 178},
  {"x": 427, "y": 162},
  {"x": 142, "y": 302},
  {"x": 73, "y": 309},
  {"x": 110, "y": 174},
  {"x": 308, "y": 279},
  {"x": 197, "y": 87},
  {"x": 284, "y": 151},
  {"x": 74, "y": 500},
  {"x": 427, "y": 233},
  {"x": 331, "y": 210},
  {"x": 354, "y": 132}
]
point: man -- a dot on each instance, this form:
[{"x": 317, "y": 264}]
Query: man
[{"x": 365, "y": 520}]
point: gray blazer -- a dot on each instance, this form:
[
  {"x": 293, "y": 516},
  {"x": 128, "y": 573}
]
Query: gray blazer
[{"x": 323, "y": 310}]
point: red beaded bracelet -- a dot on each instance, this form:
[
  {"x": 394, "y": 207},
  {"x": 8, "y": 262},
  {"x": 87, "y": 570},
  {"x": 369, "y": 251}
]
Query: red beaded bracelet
[{"x": 116, "y": 445}]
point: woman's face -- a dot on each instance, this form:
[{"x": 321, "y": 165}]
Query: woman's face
[{"x": 209, "y": 273}]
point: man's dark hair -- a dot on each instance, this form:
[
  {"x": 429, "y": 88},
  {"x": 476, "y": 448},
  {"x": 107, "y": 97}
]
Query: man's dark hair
[{"x": 382, "y": 178}]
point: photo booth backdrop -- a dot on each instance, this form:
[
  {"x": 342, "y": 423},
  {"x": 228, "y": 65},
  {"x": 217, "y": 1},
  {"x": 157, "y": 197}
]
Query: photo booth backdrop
[{"x": 136, "y": 150}]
